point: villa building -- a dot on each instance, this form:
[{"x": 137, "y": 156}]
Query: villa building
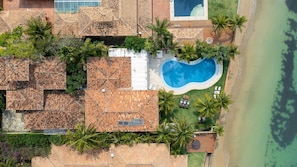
[
  {"x": 110, "y": 18},
  {"x": 114, "y": 99}
]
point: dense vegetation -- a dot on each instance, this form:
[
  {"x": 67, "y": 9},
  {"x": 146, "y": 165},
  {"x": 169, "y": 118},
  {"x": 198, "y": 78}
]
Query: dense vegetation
[
  {"x": 74, "y": 52},
  {"x": 19, "y": 149},
  {"x": 37, "y": 41},
  {"x": 175, "y": 134}
]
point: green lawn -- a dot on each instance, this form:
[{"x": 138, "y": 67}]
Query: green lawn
[
  {"x": 195, "y": 159},
  {"x": 191, "y": 114},
  {"x": 226, "y": 7}
]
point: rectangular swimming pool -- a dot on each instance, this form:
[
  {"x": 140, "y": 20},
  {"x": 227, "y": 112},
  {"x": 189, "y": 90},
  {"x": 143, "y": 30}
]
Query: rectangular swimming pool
[{"x": 188, "y": 10}]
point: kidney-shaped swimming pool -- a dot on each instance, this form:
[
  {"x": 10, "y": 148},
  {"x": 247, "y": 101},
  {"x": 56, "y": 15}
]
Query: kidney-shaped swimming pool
[{"x": 178, "y": 74}]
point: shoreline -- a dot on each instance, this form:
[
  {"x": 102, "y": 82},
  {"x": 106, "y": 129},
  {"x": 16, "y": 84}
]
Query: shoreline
[{"x": 236, "y": 68}]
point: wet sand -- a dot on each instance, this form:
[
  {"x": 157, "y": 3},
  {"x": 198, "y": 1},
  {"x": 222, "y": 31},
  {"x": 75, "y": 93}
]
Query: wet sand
[
  {"x": 247, "y": 122},
  {"x": 222, "y": 155}
]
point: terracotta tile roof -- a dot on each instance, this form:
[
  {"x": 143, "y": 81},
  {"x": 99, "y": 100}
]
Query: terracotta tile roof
[
  {"x": 106, "y": 109},
  {"x": 139, "y": 155},
  {"x": 207, "y": 143},
  {"x": 61, "y": 111},
  {"x": 24, "y": 99},
  {"x": 109, "y": 73},
  {"x": 25, "y": 81},
  {"x": 13, "y": 70},
  {"x": 50, "y": 75},
  {"x": 17, "y": 69}
]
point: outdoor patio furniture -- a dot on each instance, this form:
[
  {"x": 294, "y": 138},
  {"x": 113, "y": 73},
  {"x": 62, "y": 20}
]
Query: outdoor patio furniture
[
  {"x": 217, "y": 91},
  {"x": 187, "y": 104},
  {"x": 184, "y": 102},
  {"x": 181, "y": 102}
]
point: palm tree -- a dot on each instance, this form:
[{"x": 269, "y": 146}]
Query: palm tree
[
  {"x": 204, "y": 50},
  {"x": 207, "y": 107},
  {"x": 40, "y": 34},
  {"x": 218, "y": 129},
  {"x": 182, "y": 132},
  {"x": 83, "y": 138},
  {"x": 38, "y": 29},
  {"x": 222, "y": 53},
  {"x": 166, "y": 102},
  {"x": 220, "y": 23},
  {"x": 233, "y": 50},
  {"x": 237, "y": 23},
  {"x": 162, "y": 39},
  {"x": 9, "y": 163},
  {"x": 188, "y": 53},
  {"x": 104, "y": 139},
  {"x": 160, "y": 28},
  {"x": 164, "y": 133},
  {"x": 223, "y": 100},
  {"x": 148, "y": 138}
]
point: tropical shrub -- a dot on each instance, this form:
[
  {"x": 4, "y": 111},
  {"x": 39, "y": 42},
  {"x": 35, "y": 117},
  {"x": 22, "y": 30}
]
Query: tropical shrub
[
  {"x": 135, "y": 43},
  {"x": 74, "y": 52},
  {"x": 188, "y": 53}
]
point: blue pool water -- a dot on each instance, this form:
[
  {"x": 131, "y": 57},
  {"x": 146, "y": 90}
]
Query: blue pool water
[
  {"x": 177, "y": 74},
  {"x": 185, "y": 7}
]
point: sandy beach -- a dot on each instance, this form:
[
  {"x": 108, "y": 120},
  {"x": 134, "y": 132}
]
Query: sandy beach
[
  {"x": 259, "y": 130},
  {"x": 235, "y": 75}
]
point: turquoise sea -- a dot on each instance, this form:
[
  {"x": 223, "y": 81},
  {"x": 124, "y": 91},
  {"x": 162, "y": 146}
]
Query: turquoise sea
[{"x": 264, "y": 126}]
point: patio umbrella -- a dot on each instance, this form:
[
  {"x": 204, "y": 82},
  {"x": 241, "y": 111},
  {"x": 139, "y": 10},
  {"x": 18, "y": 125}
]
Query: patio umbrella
[{"x": 196, "y": 144}]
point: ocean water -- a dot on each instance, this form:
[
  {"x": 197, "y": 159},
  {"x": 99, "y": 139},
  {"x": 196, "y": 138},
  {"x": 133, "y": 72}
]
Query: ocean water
[{"x": 264, "y": 128}]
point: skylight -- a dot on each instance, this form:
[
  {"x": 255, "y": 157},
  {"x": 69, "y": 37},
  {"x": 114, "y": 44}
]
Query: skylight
[
  {"x": 134, "y": 122},
  {"x": 72, "y": 6}
]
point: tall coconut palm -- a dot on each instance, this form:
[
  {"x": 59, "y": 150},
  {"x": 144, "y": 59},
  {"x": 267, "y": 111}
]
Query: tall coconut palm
[
  {"x": 188, "y": 53},
  {"x": 237, "y": 23},
  {"x": 164, "y": 133},
  {"x": 223, "y": 100},
  {"x": 218, "y": 129},
  {"x": 207, "y": 107},
  {"x": 166, "y": 102},
  {"x": 160, "y": 27},
  {"x": 220, "y": 23},
  {"x": 84, "y": 138},
  {"x": 162, "y": 39},
  {"x": 183, "y": 132}
]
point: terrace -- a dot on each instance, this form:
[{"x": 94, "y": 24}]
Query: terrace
[{"x": 153, "y": 155}]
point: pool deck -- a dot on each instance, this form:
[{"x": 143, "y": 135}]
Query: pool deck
[{"x": 156, "y": 82}]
